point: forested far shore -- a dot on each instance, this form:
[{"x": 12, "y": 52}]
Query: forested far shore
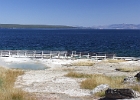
[{"x": 33, "y": 26}]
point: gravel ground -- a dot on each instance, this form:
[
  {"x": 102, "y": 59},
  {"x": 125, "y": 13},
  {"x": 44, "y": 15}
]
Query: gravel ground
[{"x": 51, "y": 83}]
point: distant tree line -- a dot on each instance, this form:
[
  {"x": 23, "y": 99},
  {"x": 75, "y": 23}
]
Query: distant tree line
[{"x": 33, "y": 26}]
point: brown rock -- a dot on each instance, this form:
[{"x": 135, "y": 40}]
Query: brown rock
[
  {"x": 138, "y": 76},
  {"x": 120, "y": 93},
  {"x": 130, "y": 80}
]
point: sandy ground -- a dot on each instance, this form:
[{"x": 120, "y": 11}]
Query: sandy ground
[{"x": 51, "y": 84}]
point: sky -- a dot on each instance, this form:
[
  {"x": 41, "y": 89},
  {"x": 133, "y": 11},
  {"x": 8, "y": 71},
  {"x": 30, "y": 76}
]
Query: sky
[{"x": 85, "y": 13}]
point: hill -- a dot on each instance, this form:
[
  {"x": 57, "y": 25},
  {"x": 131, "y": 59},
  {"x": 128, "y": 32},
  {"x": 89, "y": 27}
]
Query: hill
[
  {"x": 118, "y": 26},
  {"x": 33, "y": 26}
]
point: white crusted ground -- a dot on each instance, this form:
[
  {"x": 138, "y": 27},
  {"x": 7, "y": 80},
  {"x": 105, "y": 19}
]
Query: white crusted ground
[
  {"x": 50, "y": 82},
  {"x": 53, "y": 81}
]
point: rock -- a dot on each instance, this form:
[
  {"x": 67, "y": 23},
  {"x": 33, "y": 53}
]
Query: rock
[
  {"x": 130, "y": 79},
  {"x": 120, "y": 93},
  {"x": 100, "y": 88},
  {"x": 138, "y": 76}
]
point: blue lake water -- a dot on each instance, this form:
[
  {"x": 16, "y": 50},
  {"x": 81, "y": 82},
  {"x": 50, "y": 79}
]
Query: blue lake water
[{"x": 121, "y": 42}]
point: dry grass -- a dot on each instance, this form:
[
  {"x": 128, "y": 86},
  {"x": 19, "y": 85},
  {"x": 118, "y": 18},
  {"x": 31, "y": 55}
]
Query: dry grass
[
  {"x": 83, "y": 63},
  {"x": 7, "y": 90},
  {"x": 129, "y": 69},
  {"x": 115, "y": 60},
  {"x": 100, "y": 94},
  {"x": 97, "y": 79},
  {"x": 136, "y": 87},
  {"x": 113, "y": 82},
  {"x": 93, "y": 80},
  {"x": 78, "y": 75}
]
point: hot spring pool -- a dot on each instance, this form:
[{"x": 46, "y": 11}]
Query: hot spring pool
[
  {"x": 28, "y": 66},
  {"x": 22, "y": 63}
]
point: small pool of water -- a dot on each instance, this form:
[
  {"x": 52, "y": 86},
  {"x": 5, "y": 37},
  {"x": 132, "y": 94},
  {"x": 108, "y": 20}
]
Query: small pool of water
[{"x": 28, "y": 66}]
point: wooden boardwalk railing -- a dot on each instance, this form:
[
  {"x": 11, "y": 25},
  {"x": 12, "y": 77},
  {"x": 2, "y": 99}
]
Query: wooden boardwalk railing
[{"x": 60, "y": 54}]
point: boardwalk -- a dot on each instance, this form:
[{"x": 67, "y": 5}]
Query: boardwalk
[
  {"x": 52, "y": 54},
  {"x": 60, "y": 55},
  {"x": 31, "y": 53}
]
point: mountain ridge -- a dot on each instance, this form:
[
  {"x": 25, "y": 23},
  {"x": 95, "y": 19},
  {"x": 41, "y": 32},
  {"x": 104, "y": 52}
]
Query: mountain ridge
[
  {"x": 118, "y": 26},
  {"x": 112, "y": 26}
]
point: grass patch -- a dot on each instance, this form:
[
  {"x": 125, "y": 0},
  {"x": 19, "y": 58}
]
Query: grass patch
[
  {"x": 7, "y": 90},
  {"x": 136, "y": 87},
  {"x": 83, "y": 63},
  {"x": 100, "y": 94},
  {"x": 93, "y": 80},
  {"x": 115, "y": 60},
  {"x": 1, "y": 81},
  {"x": 128, "y": 69},
  {"x": 78, "y": 75},
  {"x": 97, "y": 79}
]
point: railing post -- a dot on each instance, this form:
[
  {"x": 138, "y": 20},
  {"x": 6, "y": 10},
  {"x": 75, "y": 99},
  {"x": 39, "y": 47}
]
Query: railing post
[
  {"x": 25, "y": 54},
  {"x": 34, "y": 54},
  {"x": 42, "y": 54},
  {"x": 65, "y": 55},
  {"x": 50, "y": 55},
  {"x": 105, "y": 56},
  {"x": 1, "y": 53},
  {"x": 88, "y": 56},
  {"x": 113, "y": 56},
  {"x": 17, "y": 53},
  {"x": 96, "y": 56},
  {"x": 80, "y": 55},
  {"x": 59, "y": 54},
  {"x": 72, "y": 54},
  {"x": 9, "y": 54}
]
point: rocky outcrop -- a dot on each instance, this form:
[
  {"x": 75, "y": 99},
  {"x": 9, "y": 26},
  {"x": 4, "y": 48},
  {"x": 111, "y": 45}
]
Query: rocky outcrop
[
  {"x": 130, "y": 80},
  {"x": 120, "y": 93},
  {"x": 100, "y": 88},
  {"x": 138, "y": 76}
]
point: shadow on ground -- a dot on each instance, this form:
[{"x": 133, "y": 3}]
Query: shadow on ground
[{"x": 106, "y": 99}]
